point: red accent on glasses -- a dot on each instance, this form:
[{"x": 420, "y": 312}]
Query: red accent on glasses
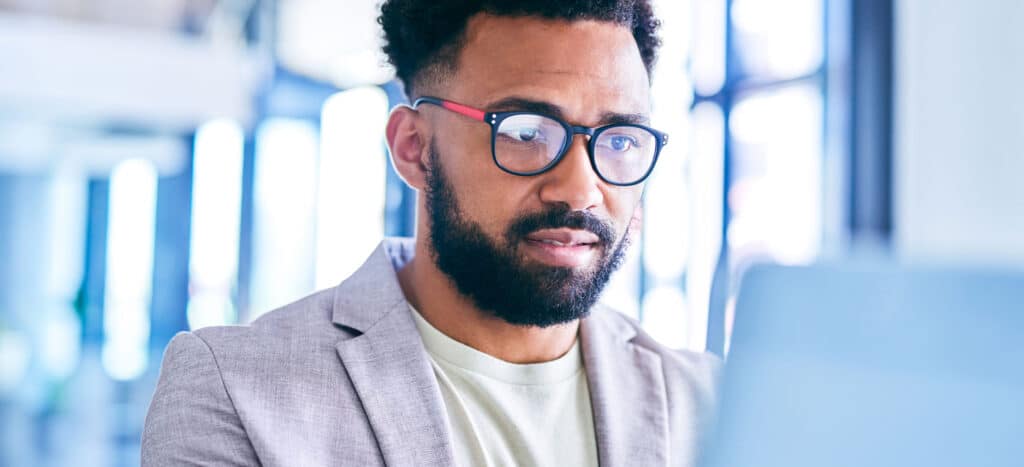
[{"x": 466, "y": 110}]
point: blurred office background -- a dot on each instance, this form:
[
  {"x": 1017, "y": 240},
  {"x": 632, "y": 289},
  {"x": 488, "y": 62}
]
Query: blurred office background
[{"x": 172, "y": 164}]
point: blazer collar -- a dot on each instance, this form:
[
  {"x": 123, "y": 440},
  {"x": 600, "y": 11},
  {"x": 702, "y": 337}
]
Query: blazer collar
[
  {"x": 370, "y": 293},
  {"x": 388, "y": 364},
  {"x": 627, "y": 392}
]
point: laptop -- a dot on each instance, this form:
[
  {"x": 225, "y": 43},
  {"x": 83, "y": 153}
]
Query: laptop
[{"x": 873, "y": 364}]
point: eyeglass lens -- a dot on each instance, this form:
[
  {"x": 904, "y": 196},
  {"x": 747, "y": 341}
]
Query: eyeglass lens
[{"x": 527, "y": 143}]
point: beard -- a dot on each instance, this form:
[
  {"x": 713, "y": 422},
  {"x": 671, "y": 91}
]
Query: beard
[{"x": 501, "y": 281}]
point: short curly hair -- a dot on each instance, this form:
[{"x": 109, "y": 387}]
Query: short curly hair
[{"x": 424, "y": 37}]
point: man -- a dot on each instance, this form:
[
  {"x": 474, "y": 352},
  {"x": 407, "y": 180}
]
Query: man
[{"x": 478, "y": 343}]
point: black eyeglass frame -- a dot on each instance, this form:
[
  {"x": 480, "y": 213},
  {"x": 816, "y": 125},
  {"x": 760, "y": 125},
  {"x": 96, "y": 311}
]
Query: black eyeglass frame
[{"x": 494, "y": 119}]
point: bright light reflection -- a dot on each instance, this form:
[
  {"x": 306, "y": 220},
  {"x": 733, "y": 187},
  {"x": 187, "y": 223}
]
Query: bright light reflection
[
  {"x": 665, "y": 316},
  {"x": 16, "y": 349},
  {"x": 331, "y": 40},
  {"x": 284, "y": 212},
  {"x": 708, "y": 30},
  {"x": 216, "y": 217},
  {"x": 666, "y": 215},
  {"x": 61, "y": 330},
  {"x": 781, "y": 38},
  {"x": 352, "y": 182},
  {"x": 707, "y": 181},
  {"x": 776, "y": 198},
  {"x": 671, "y": 84},
  {"x": 61, "y": 327},
  {"x": 129, "y": 262}
]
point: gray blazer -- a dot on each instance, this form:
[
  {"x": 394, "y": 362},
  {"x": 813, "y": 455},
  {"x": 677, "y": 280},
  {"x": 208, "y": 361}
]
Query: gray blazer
[{"x": 342, "y": 378}]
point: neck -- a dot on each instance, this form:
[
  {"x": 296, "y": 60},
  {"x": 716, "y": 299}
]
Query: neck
[{"x": 433, "y": 294}]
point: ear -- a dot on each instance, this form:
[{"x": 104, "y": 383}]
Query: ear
[{"x": 407, "y": 145}]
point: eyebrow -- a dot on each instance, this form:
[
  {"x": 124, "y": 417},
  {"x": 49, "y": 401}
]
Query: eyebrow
[{"x": 522, "y": 104}]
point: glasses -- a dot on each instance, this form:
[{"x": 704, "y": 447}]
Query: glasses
[{"x": 528, "y": 143}]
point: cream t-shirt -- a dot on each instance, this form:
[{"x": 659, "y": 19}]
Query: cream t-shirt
[{"x": 507, "y": 414}]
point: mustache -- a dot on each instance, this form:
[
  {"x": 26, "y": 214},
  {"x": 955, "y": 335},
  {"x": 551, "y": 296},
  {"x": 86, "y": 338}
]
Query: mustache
[{"x": 557, "y": 218}]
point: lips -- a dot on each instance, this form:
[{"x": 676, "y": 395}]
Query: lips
[{"x": 564, "y": 237}]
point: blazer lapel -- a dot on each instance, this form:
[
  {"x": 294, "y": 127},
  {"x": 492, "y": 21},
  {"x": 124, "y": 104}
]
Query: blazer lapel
[
  {"x": 389, "y": 367},
  {"x": 627, "y": 392}
]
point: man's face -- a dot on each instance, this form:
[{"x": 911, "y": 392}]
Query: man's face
[{"x": 532, "y": 250}]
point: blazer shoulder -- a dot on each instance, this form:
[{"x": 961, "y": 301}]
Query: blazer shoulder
[
  {"x": 300, "y": 319},
  {"x": 192, "y": 419},
  {"x": 312, "y": 310},
  {"x": 298, "y": 335}
]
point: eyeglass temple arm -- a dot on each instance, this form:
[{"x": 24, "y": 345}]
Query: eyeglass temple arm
[{"x": 475, "y": 114}]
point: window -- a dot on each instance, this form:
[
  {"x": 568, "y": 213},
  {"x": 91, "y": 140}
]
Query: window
[
  {"x": 129, "y": 280},
  {"x": 284, "y": 213},
  {"x": 740, "y": 86},
  {"x": 216, "y": 217},
  {"x": 352, "y": 182}
]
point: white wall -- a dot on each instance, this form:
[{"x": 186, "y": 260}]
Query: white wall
[{"x": 959, "y": 130}]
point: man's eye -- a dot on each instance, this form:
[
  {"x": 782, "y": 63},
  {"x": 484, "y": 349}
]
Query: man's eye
[
  {"x": 622, "y": 143},
  {"x": 524, "y": 134},
  {"x": 527, "y": 134}
]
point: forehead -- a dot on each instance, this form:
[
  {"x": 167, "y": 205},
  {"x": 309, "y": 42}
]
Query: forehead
[{"x": 588, "y": 68}]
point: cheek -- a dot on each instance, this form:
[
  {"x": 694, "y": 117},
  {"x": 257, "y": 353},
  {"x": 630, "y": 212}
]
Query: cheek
[
  {"x": 624, "y": 207},
  {"x": 485, "y": 205},
  {"x": 486, "y": 195}
]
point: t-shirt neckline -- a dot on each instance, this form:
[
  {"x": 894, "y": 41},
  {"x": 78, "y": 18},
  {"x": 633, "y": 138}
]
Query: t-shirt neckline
[{"x": 462, "y": 356}]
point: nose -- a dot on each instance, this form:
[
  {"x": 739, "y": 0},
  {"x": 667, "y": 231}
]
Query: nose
[{"x": 573, "y": 181}]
